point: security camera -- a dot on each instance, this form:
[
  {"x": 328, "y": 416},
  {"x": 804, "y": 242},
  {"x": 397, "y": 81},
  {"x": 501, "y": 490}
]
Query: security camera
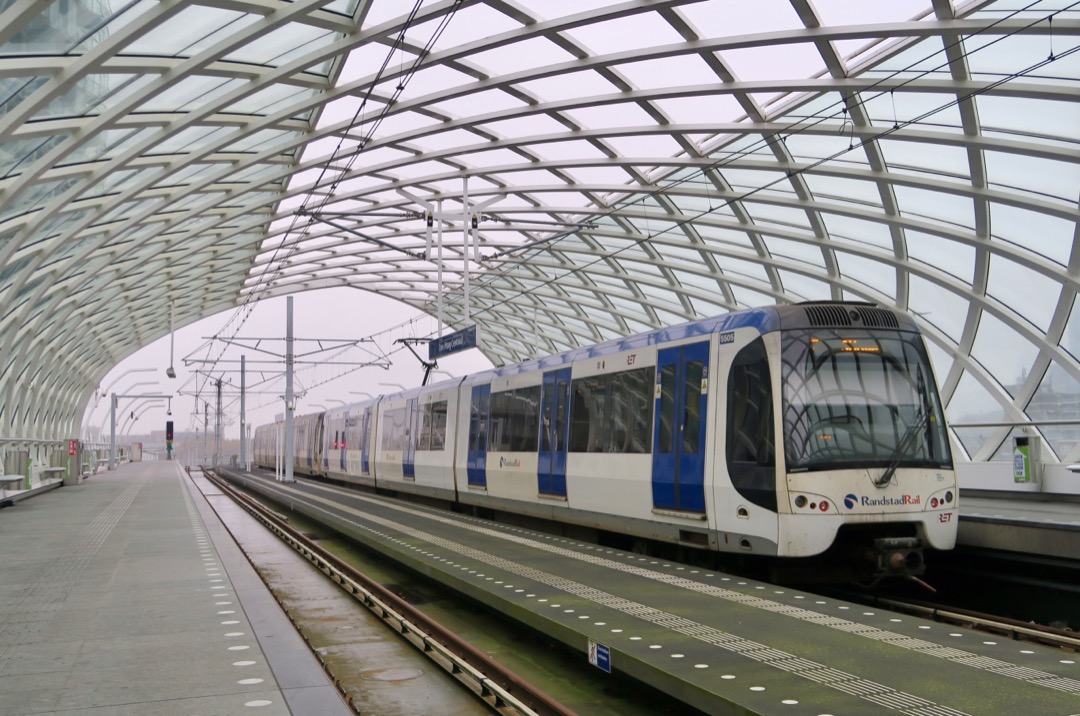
[{"x": 170, "y": 372}]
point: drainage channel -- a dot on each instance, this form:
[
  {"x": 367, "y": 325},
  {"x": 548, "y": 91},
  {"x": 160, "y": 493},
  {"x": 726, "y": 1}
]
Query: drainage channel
[{"x": 499, "y": 688}]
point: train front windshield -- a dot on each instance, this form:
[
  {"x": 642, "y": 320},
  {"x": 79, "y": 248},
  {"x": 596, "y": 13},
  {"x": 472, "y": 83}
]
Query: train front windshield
[{"x": 860, "y": 398}]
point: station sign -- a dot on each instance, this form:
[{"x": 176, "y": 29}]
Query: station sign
[
  {"x": 454, "y": 342},
  {"x": 73, "y": 447},
  {"x": 600, "y": 655}
]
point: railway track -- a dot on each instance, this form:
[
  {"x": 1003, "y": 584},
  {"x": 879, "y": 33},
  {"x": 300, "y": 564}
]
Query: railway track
[
  {"x": 1004, "y": 626},
  {"x": 500, "y": 688}
]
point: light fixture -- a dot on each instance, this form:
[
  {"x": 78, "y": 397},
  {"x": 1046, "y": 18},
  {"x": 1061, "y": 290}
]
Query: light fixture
[{"x": 170, "y": 372}]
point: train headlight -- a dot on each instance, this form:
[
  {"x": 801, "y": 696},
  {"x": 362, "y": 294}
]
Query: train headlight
[
  {"x": 811, "y": 503},
  {"x": 941, "y": 500}
]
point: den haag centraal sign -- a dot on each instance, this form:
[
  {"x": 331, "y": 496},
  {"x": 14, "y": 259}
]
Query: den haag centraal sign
[{"x": 454, "y": 342}]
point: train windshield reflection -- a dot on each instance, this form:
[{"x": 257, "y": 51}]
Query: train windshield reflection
[{"x": 860, "y": 398}]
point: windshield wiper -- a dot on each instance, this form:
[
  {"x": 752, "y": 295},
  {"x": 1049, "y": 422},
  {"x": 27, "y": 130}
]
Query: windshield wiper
[
  {"x": 922, "y": 416},
  {"x": 900, "y": 449}
]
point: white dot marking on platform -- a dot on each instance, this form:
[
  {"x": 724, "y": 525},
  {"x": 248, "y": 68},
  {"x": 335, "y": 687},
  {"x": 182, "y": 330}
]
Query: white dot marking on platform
[
  {"x": 248, "y": 682},
  {"x": 239, "y": 648},
  {"x": 257, "y": 703},
  {"x": 243, "y": 663}
]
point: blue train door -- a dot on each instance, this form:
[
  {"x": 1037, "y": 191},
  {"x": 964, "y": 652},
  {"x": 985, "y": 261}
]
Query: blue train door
[
  {"x": 554, "y": 410},
  {"x": 408, "y": 455},
  {"x": 678, "y": 478},
  {"x": 365, "y": 443},
  {"x": 478, "y": 435}
]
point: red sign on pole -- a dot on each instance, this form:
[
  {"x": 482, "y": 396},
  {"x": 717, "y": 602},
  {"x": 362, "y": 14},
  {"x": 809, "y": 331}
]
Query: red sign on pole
[{"x": 73, "y": 447}]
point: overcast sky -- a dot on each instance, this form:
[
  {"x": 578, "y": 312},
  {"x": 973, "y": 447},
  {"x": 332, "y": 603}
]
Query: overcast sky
[{"x": 335, "y": 314}]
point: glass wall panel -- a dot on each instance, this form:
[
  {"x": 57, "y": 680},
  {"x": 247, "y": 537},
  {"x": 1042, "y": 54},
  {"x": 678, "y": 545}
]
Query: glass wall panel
[
  {"x": 1070, "y": 340},
  {"x": 1027, "y": 292},
  {"x": 972, "y": 403},
  {"x": 1007, "y": 355},
  {"x": 1058, "y": 398},
  {"x": 938, "y": 305}
]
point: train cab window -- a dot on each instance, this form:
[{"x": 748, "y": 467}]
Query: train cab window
[{"x": 751, "y": 443}]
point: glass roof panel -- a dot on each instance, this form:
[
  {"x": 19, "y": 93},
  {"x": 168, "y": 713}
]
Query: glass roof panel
[
  {"x": 925, "y": 157},
  {"x": 1042, "y": 178},
  {"x": 936, "y": 206},
  {"x": 804, "y": 288},
  {"x": 281, "y": 45},
  {"x": 632, "y": 33},
  {"x": 578, "y": 85},
  {"x": 1029, "y": 115},
  {"x": 874, "y": 274},
  {"x": 681, "y": 70},
  {"x": 528, "y": 54},
  {"x": 944, "y": 255},
  {"x": 1042, "y": 233},
  {"x": 192, "y": 30}
]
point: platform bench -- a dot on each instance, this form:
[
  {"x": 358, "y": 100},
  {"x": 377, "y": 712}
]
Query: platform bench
[
  {"x": 53, "y": 472},
  {"x": 9, "y": 481}
]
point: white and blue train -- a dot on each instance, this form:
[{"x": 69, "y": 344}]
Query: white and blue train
[{"x": 787, "y": 431}]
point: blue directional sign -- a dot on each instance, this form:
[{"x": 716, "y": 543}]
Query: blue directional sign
[
  {"x": 600, "y": 655},
  {"x": 454, "y": 342}
]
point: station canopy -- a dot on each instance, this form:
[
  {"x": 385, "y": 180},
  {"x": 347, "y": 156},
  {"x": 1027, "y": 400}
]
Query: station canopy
[{"x": 627, "y": 165}]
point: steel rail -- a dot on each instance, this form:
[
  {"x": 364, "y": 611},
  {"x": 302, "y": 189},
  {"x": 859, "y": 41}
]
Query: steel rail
[
  {"x": 501, "y": 689},
  {"x": 1003, "y": 625}
]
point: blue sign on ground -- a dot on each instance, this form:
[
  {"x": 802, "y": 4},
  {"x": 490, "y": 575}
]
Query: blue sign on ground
[
  {"x": 452, "y": 343},
  {"x": 600, "y": 656}
]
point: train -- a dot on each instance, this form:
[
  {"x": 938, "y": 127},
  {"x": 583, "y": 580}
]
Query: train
[{"x": 789, "y": 431}]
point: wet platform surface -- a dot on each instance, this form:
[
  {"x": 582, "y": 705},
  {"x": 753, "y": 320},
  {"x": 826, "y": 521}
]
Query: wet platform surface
[
  {"x": 126, "y": 595},
  {"x": 720, "y": 643},
  {"x": 1017, "y": 522}
]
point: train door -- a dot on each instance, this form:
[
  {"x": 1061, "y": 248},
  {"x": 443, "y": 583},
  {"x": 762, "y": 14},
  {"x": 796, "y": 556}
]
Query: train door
[
  {"x": 365, "y": 443},
  {"x": 682, "y": 379},
  {"x": 408, "y": 454},
  {"x": 478, "y": 435},
  {"x": 554, "y": 408}
]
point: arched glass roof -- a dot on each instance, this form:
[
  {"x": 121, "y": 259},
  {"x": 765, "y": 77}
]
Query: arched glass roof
[{"x": 627, "y": 165}]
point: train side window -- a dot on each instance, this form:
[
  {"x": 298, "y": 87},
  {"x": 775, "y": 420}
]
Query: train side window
[
  {"x": 751, "y": 442},
  {"x": 692, "y": 407},
  {"x": 667, "y": 409},
  {"x": 438, "y": 425}
]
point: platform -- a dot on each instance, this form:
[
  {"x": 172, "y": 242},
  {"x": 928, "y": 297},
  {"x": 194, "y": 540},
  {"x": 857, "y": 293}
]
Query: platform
[
  {"x": 1019, "y": 522},
  {"x": 126, "y": 595},
  {"x": 720, "y": 643}
]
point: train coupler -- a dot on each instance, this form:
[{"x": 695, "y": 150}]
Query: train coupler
[{"x": 899, "y": 557}]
